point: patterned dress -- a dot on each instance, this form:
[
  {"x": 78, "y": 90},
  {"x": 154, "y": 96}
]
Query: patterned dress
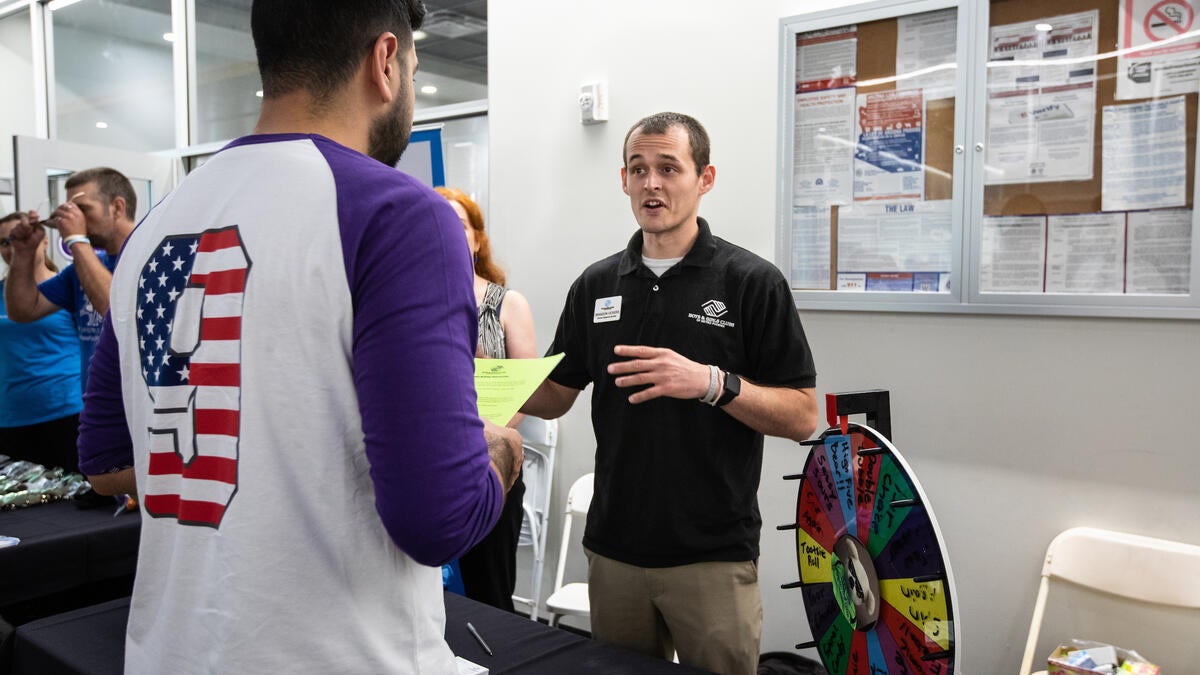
[{"x": 489, "y": 570}]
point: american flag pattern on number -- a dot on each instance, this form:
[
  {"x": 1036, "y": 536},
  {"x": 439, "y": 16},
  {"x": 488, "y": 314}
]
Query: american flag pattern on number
[{"x": 189, "y": 327}]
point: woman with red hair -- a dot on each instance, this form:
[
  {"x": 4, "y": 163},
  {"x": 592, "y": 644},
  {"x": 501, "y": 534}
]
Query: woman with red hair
[{"x": 489, "y": 570}]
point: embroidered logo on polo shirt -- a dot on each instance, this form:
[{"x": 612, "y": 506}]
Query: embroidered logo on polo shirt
[
  {"x": 712, "y": 310},
  {"x": 607, "y": 309}
]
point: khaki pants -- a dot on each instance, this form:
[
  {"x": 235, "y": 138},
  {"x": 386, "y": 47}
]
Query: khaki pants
[{"x": 709, "y": 613}]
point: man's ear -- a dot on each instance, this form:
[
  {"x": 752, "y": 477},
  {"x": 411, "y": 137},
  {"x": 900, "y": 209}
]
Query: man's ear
[
  {"x": 624, "y": 185},
  {"x": 118, "y": 204},
  {"x": 708, "y": 176},
  {"x": 383, "y": 65}
]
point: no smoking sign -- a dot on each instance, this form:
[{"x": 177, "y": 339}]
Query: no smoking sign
[
  {"x": 1161, "y": 46},
  {"x": 1168, "y": 19}
]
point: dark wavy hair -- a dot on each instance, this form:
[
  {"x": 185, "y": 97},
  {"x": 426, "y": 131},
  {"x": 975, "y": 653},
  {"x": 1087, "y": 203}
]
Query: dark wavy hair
[
  {"x": 318, "y": 45},
  {"x": 484, "y": 265}
]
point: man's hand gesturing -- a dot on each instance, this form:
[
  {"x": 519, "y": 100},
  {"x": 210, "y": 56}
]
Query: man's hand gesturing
[{"x": 664, "y": 370}]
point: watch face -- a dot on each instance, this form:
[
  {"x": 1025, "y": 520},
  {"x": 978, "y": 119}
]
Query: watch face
[{"x": 733, "y": 387}]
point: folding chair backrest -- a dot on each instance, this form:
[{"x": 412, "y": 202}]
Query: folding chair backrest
[
  {"x": 1141, "y": 568},
  {"x": 578, "y": 500},
  {"x": 539, "y": 438},
  {"x": 1130, "y": 566},
  {"x": 541, "y": 434},
  {"x": 537, "y": 495}
]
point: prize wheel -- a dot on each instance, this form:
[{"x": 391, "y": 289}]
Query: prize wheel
[{"x": 877, "y": 586}]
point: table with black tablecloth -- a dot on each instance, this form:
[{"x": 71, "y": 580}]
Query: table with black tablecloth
[
  {"x": 64, "y": 550},
  {"x": 523, "y": 646},
  {"x": 92, "y": 641}
]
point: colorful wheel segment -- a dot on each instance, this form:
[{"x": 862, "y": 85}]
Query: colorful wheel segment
[{"x": 877, "y": 588}]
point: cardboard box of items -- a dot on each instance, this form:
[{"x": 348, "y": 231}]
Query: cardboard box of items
[{"x": 1097, "y": 658}]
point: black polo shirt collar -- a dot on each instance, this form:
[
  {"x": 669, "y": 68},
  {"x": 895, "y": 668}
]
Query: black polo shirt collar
[{"x": 700, "y": 255}]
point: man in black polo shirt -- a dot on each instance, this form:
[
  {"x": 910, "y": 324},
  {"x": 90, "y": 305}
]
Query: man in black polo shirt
[{"x": 695, "y": 351}]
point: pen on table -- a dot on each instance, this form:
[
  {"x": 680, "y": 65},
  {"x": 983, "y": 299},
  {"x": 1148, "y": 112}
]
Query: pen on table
[{"x": 479, "y": 639}]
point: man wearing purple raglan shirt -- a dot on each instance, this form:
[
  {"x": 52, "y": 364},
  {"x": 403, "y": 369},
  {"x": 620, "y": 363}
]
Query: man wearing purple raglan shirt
[{"x": 286, "y": 377}]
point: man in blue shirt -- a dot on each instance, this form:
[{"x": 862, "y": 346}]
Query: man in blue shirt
[{"x": 93, "y": 223}]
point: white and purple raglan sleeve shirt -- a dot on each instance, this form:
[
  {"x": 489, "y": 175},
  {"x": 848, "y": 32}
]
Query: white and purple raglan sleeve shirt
[{"x": 288, "y": 366}]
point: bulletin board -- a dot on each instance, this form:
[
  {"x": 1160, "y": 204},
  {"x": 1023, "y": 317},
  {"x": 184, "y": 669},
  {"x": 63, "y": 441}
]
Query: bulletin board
[{"x": 1088, "y": 220}]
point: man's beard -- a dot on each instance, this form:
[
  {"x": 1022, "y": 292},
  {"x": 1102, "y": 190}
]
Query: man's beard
[
  {"x": 99, "y": 240},
  {"x": 390, "y": 131}
]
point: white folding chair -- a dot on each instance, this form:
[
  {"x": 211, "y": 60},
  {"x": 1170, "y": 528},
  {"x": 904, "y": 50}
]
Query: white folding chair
[
  {"x": 540, "y": 437},
  {"x": 571, "y": 599},
  {"x": 1129, "y": 566}
]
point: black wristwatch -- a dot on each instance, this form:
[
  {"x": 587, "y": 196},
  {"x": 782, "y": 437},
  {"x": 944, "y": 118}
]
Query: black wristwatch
[{"x": 733, "y": 387}]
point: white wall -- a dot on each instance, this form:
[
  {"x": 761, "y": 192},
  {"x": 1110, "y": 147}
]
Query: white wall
[{"x": 1018, "y": 427}]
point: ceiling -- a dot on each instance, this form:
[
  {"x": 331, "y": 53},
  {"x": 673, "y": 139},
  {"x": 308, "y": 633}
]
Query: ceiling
[{"x": 457, "y": 39}]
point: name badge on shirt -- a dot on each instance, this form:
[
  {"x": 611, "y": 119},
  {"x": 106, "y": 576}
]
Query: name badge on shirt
[{"x": 607, "y": 309}]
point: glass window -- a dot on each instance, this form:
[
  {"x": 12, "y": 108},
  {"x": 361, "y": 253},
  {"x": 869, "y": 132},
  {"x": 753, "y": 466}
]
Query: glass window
[
  {"x": 113, "y": 80},
  {"x": 228, "y": 88},
  {"x": 17, "y": 115},
  {"x": 452, "y": 48},
  {"x": 465, "y": 148}
]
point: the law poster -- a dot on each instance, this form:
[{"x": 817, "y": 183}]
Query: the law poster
[
  {"x": 1145, "y": 155},
  {"x": 1159, "y": 48},
  {"x": 1041, "y": 100},
  {"x": 1013, "y": 254},
  {"x": 926, "y": 51},
  {"x": 824, "y": 148},
  {"x": 890, "y": 152},
  {"x": 1159, "y": 254},
  {"x": 896, "y": 246},
  {"x": 1085, "y": 253}
]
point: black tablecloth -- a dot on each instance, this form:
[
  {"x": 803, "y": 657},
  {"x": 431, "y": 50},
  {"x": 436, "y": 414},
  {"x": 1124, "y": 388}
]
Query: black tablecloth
[
  {"x": 523, "y": 646},
  {"x": 63, "y": 548},
  {"x": 86, "y": 641},
  {"x": 92, "y": 641}
]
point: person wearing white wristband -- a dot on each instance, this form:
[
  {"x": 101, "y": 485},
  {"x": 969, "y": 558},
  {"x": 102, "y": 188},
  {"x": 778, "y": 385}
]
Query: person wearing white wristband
[
  {"x": 93, "y": 222},
  {"x": 695, "y": 352}
]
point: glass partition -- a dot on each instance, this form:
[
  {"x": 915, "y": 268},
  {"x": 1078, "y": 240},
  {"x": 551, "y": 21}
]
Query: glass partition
[
  {"x": 1013, "y": 156},
  {"x": 873, "y": 161},
  {"x": 113, "y": 78},
  {"x": 1090, "y": 161},
  {"x": 228, "y": 89}
]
